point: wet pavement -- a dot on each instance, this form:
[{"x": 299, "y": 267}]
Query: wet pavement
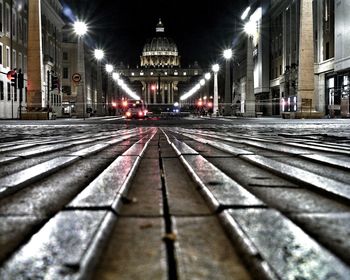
[{"x": 194, "y": 199}]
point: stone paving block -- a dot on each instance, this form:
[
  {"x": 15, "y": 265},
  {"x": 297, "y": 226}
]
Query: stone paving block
[
  {"x": 65, "y": 248},
  {"x": 250, "y": 175},
  {"x": 206, "y": 150},
  {"x": 203, "y": 250},
  {"x": 166, "y": 150},
  {"x": 182, "y": 149},
  {"x": 221, "y": 146},
  {"x": 135, "y": 150},
  {"x": 335, "y": 161},
  {"x": 8, "y": 159},
  {"x": 183, "y": 197},
  {"x": 320, "y": 182},
  {"x": 12, "y": 231},
  {"x": 319, "y": 168},
  {"x": 297, "y": 200},
  {"x": 50, "y": 194},
  {"x": 152, "y": 152},
  {"x": 218, "y": 188},
  {"x": 289, "y": 251},
  {"x": 104, "y": 190},
  {"x": 16, "y": 147},
  {"x": 135, "y": 251},
  {"x": 90, "y": 150},
  {"x": 43, "y": 149},
  {"x": 20, "y": 179},
  {"x": 330, "y": 229},
  {"x": 144, "y": 198},
  {"x": 320, "y": 148}
]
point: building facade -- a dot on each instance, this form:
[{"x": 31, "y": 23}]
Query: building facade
[
  {"x": 160, "y": 78},
  {"x": 13, "y": 54},
  {"x": 299, "y": 54}
]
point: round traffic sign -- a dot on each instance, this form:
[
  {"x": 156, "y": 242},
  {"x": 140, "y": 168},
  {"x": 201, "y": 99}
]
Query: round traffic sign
[{"x": 76, "y": 77}]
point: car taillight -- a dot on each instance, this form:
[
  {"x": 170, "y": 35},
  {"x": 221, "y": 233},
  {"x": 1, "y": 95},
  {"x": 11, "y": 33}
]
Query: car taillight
[
  {"x": 128, "y": 114},
  {"x": 140, "y": 113}
]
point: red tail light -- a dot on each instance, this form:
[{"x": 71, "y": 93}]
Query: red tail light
[{"x": 128, "y": 114}]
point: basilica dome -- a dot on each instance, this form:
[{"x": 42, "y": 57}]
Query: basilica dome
[{"x": 160, "y": 51}]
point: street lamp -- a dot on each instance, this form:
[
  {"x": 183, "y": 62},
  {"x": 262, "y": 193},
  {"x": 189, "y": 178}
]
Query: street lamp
[
  {"x": 216, "y": 69},
  {"x": 80, "y": 29},
  {"x": 228, "y": 98},
  {"x": 99, "y": 54}
]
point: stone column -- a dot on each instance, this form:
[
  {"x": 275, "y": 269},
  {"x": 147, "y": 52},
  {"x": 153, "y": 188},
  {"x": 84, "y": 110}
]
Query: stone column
[
  {"x": 163, "y": 92},
  {"x": 228, "y": 98},
  {"x": 35, "y": 60},
  {"x": 306, "y": 84},
  {"x": 250, "y": 96},
  {"x": 99, "y": 90}
]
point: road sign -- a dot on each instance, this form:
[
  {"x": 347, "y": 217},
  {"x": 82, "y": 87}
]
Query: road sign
[{"x": 76, "y": 77}]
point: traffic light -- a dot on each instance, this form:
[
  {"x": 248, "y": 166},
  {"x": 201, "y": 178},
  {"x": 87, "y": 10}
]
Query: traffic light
[
  {"x": 12, "y": 76},
  {"x": 20, "y": 79},
  {"x": 54, "y": 82}
]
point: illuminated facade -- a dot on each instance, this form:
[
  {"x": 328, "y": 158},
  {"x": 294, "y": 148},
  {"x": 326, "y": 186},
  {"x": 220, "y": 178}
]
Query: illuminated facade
[
  {"x": 300, "y": 52},
  {"x": 159, "y": 78}
]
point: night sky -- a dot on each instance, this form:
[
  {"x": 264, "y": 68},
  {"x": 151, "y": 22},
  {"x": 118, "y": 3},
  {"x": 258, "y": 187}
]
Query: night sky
[{"x": 201, "y": 29}]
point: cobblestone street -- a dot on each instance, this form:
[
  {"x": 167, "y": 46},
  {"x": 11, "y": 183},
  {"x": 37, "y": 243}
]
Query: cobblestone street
[{"x": 203, "y": 199}]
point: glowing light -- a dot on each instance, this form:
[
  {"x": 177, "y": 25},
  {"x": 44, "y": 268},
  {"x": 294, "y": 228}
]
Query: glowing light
[
  {"x": 228, "y": 54},
  {"x": 245, "y": 13},
  {"x": 109, "y": 68},
  {"x": 202, "y": 82},
  {"x": 176, "y": 104},
  {"x": 115, "y": 76},
  {"x": 99, "y": 54},
  {"x": 215, "y": 68},
  {"x": 207, "y": 76},
  {"x": 250, "y": 28},
  {"x": 80, "y": 28}
]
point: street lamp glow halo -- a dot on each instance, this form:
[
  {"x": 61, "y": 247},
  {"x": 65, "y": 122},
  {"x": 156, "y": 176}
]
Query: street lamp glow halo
[
  {"x": 80, "y": 28},
  {"x": 216, "y": 68},
  {"x": 245, "y": 13},
  {"x": 250, "y": 28},
  {"x": 99, "y": 54},
  {"x": 207, "y": 76},
  {"x": 115, "y": 76},
  {"x": 109, "y": 68},
  {"x": 202, "y": 82},
  {"x": 228, "y": 54}
]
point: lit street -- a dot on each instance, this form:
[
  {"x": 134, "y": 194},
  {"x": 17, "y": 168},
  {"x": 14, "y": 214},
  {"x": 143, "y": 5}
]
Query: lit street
[
  {"x": 174, "y": 140},
  {"x": 192, "y": 198}
]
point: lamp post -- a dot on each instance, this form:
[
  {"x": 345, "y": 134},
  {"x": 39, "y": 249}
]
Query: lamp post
[
  {"x": 99, "y": 54},
  {"x": 109, "y": 69},
  {"x": 228, "y": 98},
  {"x": 216, "y": 69},
  {"x": 80, "y": 29}
]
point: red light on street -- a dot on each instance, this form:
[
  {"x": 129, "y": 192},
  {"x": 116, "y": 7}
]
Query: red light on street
[
  {"x": 140, "y": 114},
  {"x": 153, "y": 87},
  {"x": 200, "y": 103},
  {"x": 210, "y": 104},
  {"x": 125, "y": 103},
  {"x": 128, "y": 114},
  {"x": 114, "y": 104}
]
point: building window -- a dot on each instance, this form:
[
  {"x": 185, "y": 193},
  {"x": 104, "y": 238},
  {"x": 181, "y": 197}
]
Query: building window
[
  {"x": 2, "y": 90},
  {"x": 8, "y": 92},
  {"x": 20, "y": 28},
  {"x": 24, "y": 64},
  {"x": 65, "y": 73},
  {"x": 15, "y": 94},
  {"x": 25, "y": 32},
  {"x": 20, "y": 61},
  {"x": 1, "y": 62},
  {"x": 327, "y": 50},
  {"x": 14, "y": 60},
  {"x": 7, "y": 20},
  {"x": 8, "y": 62},
  {"x": 1, "y": 17},
  {"x": 65, "y": 56},
  {"x": 14, "y": 24}
]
